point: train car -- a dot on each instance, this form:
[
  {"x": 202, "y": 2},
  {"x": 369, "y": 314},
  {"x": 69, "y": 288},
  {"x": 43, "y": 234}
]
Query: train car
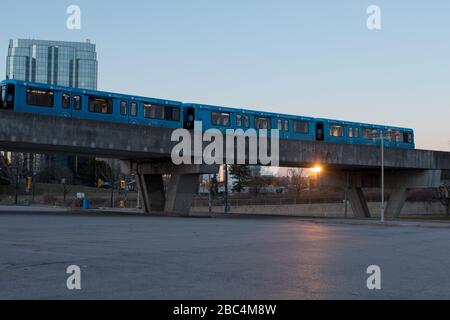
[
  {"x": 299, "y": 127},
  {"x": 362, "y": 133},
  {"x": 20, "y": 96},
  {"x": 223, "y": 118},
  {"x": 91, "y": 105}
]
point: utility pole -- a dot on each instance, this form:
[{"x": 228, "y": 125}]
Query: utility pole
[
  {"x": 346, "y": 194},
  {"x": 209, "y": 194},
  {"x": 16, "y": 190},
  {"x": 138, "y": 202},
  {"x": 33, "y": 189},
  {"x": 226, "y": 189},
  {"x": 64, "y": 182},
  {"x": 382, "y": 172}
]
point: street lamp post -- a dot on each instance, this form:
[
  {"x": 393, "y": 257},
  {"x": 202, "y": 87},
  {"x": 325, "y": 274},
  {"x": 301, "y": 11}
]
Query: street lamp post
[
  {"x": 382, "y": 175},
  {"x": 209, "y": 194},
  {"x": 227, "y": 208},
  {"x": 382, "y": 137},
  {"x": 64, "y": 181},
  {"x": 389, "y": 136}
]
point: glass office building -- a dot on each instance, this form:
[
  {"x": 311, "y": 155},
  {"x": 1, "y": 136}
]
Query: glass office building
[{"x": 70, "y": 64}]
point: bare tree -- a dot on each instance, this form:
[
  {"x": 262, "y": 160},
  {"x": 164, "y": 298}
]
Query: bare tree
[
  {"x": 109, "y": 170},
  {"x": 242, "y": 176},
  {"x": 444, "y": 197},
  {"x": 5, "y": 169},
  {"x": 256, "y": 184},
  {"x": 12, "y": 169},
  {"x": 296, "y": 178}
]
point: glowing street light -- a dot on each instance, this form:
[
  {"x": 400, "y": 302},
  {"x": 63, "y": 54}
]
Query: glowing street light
[{"x": 316, "y": 169}]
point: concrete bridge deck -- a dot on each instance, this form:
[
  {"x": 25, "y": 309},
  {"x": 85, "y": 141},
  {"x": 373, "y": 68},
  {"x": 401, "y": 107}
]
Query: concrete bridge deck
[
  {"x": 147, "y": 150},
  {"x": 38, "y": 133}
]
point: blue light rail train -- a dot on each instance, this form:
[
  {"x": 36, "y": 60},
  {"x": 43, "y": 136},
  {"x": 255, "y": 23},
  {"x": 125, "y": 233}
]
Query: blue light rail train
[{"x": 20, "y": 96}]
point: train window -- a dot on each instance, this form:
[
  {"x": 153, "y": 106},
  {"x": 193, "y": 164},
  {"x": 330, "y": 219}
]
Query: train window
[
  {"x": 100, "y": 105},
  {"x": 154, "y": 111},
  {"x": 77, "y": 102},
  {"x": 220, "y": 119},
  {"x": 172, "y": 113},
  {"x": 336, "y": 131},
  {"x": 301, "y": 127},
  {"x": 407, "y": 137},
  {"x": 398, "y": 136},
  {"x": 368, "y": 133},
  {"x": 238, "y": 120},
  {"x": 263, "y": 123},
  {"x": 65, "y": 101},
  {"x": 390, "y": 135},
  {"x": 133, "y": 109},
  {"x": 353, "y": 132},
  {"x": 283, "y": 125},
  {"x": 123, "y": 108},
  {"x": 41, "y": 98},
  {"x": 247, "y": 121}
]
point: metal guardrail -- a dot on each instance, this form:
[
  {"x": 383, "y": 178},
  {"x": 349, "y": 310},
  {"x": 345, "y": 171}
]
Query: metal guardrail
[{"x": 263, "y": 202}]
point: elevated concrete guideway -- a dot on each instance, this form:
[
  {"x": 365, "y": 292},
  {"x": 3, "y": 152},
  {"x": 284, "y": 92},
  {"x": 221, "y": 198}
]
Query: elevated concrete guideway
[
  {"x": 37, "y": 133},
  {"x": 148, "y": 149}
]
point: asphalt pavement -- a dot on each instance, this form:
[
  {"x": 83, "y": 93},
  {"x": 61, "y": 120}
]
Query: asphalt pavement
[{"x": 136, "y": 257}]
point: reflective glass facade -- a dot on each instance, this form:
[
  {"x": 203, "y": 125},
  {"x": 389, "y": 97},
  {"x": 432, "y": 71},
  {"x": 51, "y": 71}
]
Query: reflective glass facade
[{"x": 71, "y": 64}]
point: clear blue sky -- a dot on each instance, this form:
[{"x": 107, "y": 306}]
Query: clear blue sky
[{"x": 314, "y": 58}]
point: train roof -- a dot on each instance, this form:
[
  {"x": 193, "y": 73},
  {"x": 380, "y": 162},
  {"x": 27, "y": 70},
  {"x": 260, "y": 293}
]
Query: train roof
[
  {"x": 201, "y": 106},
  {"x": 92, "y": 92},
  {"x": 293, "y": 117}
]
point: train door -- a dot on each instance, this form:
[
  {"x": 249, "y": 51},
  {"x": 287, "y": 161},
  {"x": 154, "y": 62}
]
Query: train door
[
  {"x": 124, "y": 111},
  {"x": 189, "y": 118},
  {"x": 77, "y": 111},
  {"x": 320, "y": 132},
  {"x": 7, "y": 94},
  {"x": 133, "y": 112},
  {"x": 66, "y": 109},
  {"x": 2, "y": 97}
]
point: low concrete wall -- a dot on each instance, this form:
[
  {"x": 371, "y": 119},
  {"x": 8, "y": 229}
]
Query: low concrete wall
[{"x": 328, "y": 210}]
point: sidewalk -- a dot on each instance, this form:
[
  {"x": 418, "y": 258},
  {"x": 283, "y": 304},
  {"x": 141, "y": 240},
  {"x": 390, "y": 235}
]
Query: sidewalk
[
  {"x": 403, "y": 222},
  {"x": 14, "y": 208},
  {"x": 391, "y": 223}
]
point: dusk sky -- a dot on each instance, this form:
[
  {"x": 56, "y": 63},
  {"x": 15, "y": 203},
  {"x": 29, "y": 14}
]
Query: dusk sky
[{"x": 312, "y": 58}]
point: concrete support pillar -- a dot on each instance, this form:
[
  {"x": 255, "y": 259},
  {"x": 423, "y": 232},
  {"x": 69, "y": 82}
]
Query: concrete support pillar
[
  {"x": 180, "y": 191},
  {"x": 177, "y": 199},
  {"x": 152, "y": 192},
  {"x": 399, "y": 183},
  {"x": 358, "y": 203},
  {"x": 396, "y": 202}
]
